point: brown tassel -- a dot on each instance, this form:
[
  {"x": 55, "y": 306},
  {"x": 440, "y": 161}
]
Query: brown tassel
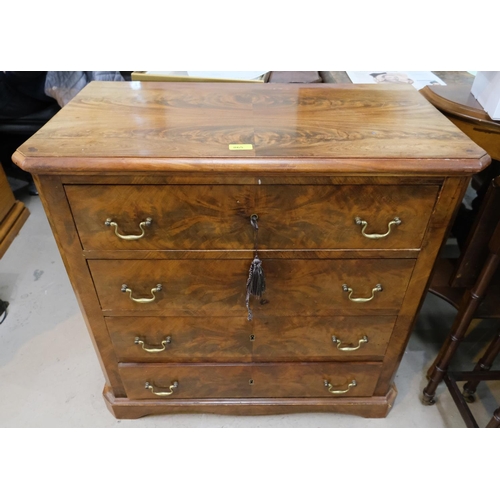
[{"x": 256, "y": 283}]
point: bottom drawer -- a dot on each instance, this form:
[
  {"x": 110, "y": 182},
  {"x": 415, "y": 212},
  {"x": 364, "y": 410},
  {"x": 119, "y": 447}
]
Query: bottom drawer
[{"x": 256, "y": 380}]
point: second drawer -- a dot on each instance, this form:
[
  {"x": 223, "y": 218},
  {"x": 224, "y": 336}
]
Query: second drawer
[{"x": 294, "y": 287}]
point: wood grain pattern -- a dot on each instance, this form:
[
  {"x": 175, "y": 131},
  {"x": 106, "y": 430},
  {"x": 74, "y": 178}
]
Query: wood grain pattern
[
  {"x": 212, "y": 288},
  {"x": 7, "y": 199},
  {"x": 218, "y": 217},
  {"x": 214, "y": 179},
  {"x": 238, "y": 340},
  {"x": 248, "y": 255},
  {"x": 456, "y": 100},
  {"x": 370, "y": 407},
  {"x": 11, "y": 225},
  {"x": 250, "y": 380},
  {"x": 458, "y": 104},
  {"x": 259, "y": 166},
  {"x": 485, "y": 135},
  {"x": 13, "y": 214},
  {"x": 198, "y": 121}
]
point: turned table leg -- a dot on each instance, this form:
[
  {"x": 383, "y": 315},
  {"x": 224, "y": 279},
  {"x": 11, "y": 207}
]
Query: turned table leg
[
  {"x": 466, "y": 311},
  {"x": 495, "y": 420},
  {"x": 484, "y": 364}
]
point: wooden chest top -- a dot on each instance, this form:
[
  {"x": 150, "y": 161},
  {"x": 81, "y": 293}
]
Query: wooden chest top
[{"x": 150, "y": 126}]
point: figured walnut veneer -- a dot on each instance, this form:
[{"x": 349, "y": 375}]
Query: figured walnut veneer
[{"x": 321, "y": 156}]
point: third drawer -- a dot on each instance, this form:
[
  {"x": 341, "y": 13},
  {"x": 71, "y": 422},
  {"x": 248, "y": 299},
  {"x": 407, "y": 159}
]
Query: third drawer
[{"x": 164, "y": 339}]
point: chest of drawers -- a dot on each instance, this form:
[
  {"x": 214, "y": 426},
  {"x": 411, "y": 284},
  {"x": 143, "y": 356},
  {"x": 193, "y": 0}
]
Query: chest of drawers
[{"x": 150, "y": 190}]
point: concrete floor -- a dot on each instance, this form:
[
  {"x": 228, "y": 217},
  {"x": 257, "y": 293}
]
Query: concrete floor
[{"x": 50, "y": 376}]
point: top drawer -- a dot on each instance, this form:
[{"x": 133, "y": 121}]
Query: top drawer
[{"x": 204, "y": 217}]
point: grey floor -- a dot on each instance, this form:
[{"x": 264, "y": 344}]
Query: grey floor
[{"x": 50, "y": 376}]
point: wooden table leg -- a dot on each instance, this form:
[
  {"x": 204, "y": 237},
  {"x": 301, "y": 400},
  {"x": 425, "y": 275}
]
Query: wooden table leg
[
  {"x": 484, "y": 364},
  {"x": 495, "y": 420},
  {"x": 466, "y": 311}
]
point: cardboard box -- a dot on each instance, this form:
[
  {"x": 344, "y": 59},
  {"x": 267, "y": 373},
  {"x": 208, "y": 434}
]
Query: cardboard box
[{"x": 486, "y": 90}]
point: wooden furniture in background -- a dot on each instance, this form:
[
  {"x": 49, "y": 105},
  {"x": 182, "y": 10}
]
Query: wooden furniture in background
[
  {"x": 150, "y": 193},
  {"x": 457, "y": 103},
  {"x": 13, "y": 214},
  {"x": 477, "y": 300},
  {"x": 469, "y": 283}
]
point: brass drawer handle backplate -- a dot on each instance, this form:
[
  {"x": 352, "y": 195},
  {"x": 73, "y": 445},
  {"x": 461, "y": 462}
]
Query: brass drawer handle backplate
[
  {"x": 129, "y": 237},
  {"x": 337, "y": 341},
  {"x": 150, "y": 348},
  {"x": 394, "y": 222},
  {"x": 378, "y": 288},
  {"x": 160, "y": 392},
  {"x": 157, "y": 288},
  {"x": 330, "y": 387}
]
